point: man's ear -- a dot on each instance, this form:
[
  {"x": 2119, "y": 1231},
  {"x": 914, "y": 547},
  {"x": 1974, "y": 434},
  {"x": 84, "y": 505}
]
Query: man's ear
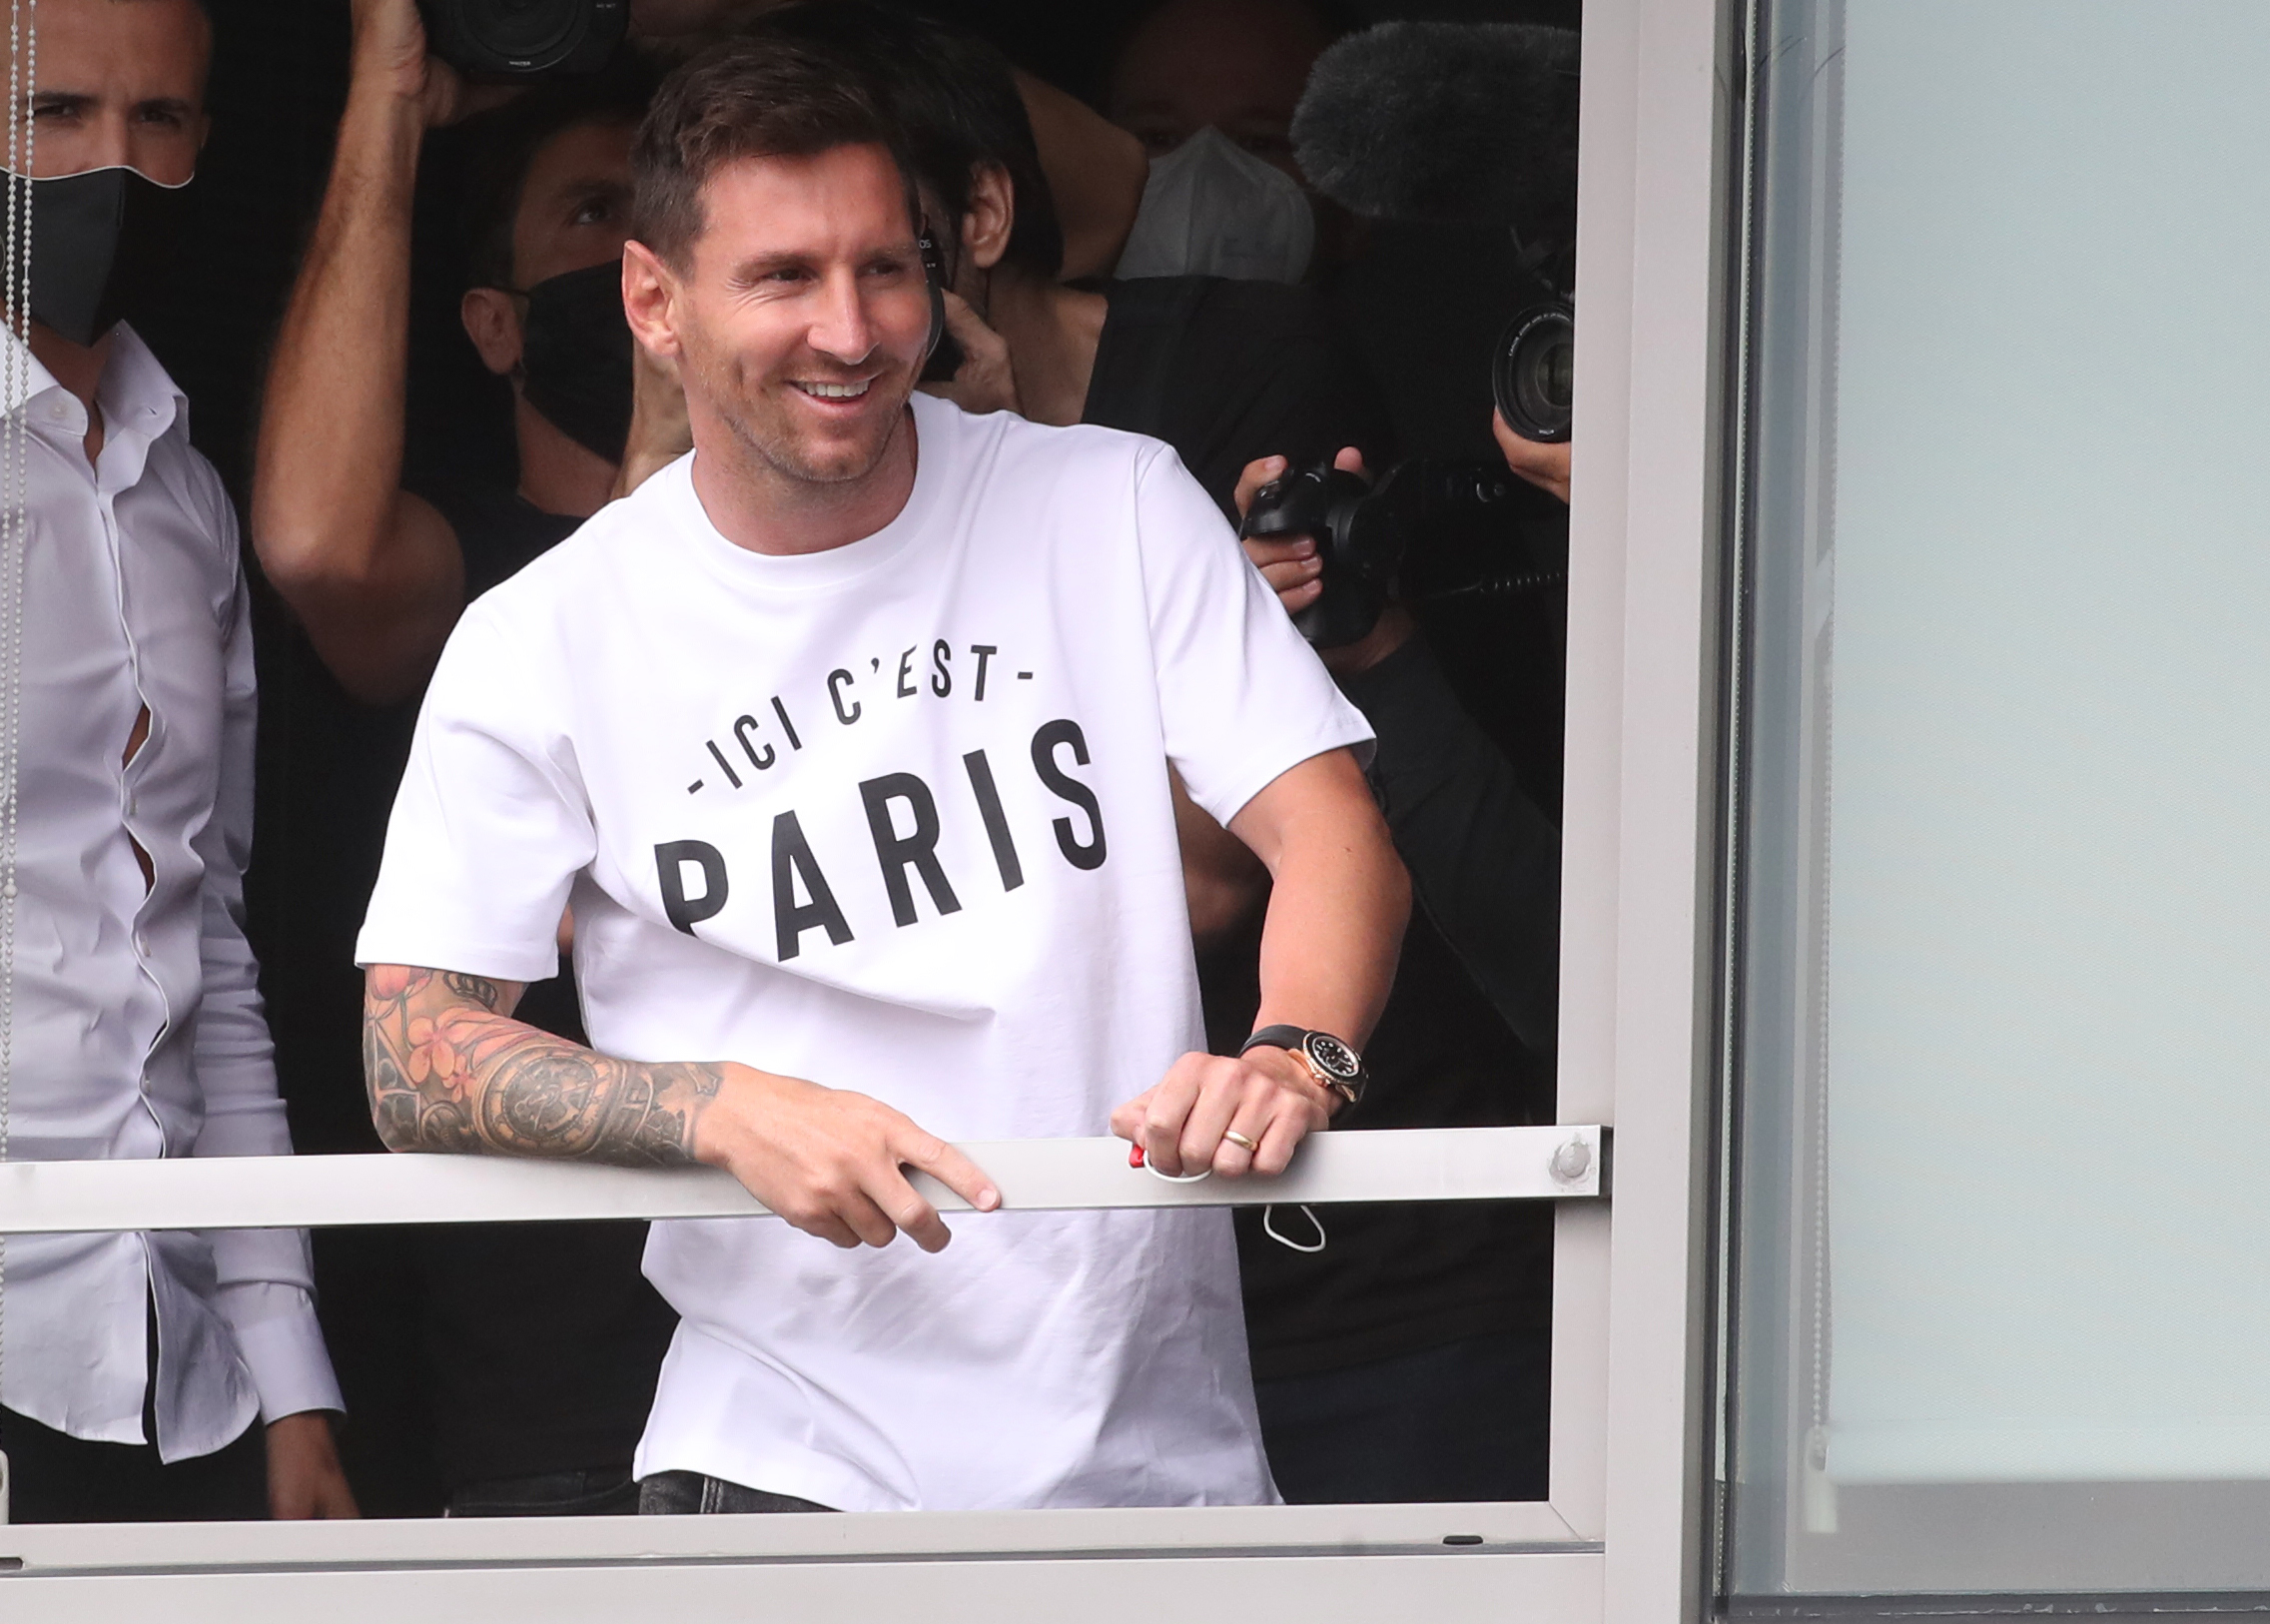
[
  {"x": 493, "y": 322},
  {"x": 650, "y": 299},
  {"x": 992, "y": 217}
]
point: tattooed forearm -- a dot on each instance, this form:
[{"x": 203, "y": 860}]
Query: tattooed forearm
[
  {"x": 448, "y": 1068},
  {"x": 558, "y": 1100}
]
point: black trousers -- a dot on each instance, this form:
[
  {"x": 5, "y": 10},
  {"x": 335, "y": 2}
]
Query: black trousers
[
  {"x": 1466, "y": 1421},
  {"x": 54, "y": 1477}
]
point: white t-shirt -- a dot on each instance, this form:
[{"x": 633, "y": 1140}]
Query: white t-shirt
[{"x": 892, "y": 817}]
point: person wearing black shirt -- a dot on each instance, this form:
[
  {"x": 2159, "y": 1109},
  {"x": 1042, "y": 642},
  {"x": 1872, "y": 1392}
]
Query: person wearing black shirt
[
  {"x": 1411, "y": 1359},
  {"x": 1424, "y": 1346},
  {"x": 517, "y": 1360}
]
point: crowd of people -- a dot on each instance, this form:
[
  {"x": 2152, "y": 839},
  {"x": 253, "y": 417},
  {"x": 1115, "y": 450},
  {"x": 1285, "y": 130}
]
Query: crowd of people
[{"x": 847, "y": 723}]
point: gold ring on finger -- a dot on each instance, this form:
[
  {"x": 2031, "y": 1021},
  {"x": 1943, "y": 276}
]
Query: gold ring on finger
[{"x": 1239, "y": 1140}]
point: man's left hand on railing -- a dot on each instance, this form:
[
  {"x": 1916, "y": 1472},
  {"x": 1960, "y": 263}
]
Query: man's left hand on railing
[{"x": 1185, "y": 1123}]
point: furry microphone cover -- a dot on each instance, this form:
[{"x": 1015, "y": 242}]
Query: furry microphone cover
[{"x": 1447, "y": 123}]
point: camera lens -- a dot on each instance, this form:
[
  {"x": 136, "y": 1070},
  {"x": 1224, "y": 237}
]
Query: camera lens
[
  {"x": 1533, "y": 374},
  {"x": 521, "y": 30}
]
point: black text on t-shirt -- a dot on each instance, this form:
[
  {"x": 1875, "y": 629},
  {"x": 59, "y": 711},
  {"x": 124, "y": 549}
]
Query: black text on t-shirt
[{"x": 804, "y": 901}]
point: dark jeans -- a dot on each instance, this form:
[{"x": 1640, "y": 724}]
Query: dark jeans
[
  {"x": 1466, "y": 1421},
  {"x": 678, "y": 1494},
  {"x": 601, "y": 1491},
  {"x": 54, "y": 1477}
]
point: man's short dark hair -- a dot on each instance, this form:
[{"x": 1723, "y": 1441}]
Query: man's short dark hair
[
  {"x": 744, "y": 98},
  {"x": 955, "y": 100},
  {"x": 507, "y": 142}
]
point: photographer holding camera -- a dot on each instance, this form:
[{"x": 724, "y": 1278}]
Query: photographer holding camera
[{"x": 1409, "y": 1359}]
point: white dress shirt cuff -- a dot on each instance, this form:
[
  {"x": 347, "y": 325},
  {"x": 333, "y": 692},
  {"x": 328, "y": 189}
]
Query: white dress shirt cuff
[{"x": 283, "y": 1347}]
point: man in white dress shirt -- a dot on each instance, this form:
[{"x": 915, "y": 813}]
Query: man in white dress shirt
[{"x": 137, "y": 1365}]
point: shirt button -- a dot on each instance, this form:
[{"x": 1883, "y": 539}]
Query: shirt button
[{"x": 141, "y": 943}]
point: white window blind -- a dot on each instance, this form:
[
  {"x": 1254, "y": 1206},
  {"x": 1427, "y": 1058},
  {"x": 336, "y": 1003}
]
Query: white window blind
[{"x": 2048, "y": 804}]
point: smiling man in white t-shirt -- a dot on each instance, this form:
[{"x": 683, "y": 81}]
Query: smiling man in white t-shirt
[{"x": 847, "y": 739}]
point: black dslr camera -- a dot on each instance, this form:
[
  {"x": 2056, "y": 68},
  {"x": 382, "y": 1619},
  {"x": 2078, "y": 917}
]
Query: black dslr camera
[
  {"x": 525, "y": 39},
  {"x": 1428, "y": 530}
]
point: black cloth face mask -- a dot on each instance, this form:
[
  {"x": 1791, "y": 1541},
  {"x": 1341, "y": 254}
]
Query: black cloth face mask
[
  {"x": 102, "y": 241},
  {"x": 575, "y": 360}
]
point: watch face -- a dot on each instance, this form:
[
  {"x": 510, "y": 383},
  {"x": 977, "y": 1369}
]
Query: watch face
[{"x": 1333, "y": 1055}]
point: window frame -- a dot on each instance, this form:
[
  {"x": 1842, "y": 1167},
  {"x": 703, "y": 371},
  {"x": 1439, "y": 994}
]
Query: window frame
[{"x": 1623, "y": 1535}]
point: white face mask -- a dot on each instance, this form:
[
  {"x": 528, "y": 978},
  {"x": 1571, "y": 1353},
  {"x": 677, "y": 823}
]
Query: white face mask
[{"x": 1213, "y": 208}]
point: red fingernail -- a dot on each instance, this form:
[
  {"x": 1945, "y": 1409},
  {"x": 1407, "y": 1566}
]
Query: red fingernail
[{"x": 1135, "y": 1156}]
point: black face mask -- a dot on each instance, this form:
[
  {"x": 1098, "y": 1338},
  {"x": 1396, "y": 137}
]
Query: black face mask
[
  {"x": 101, "y": 241},
  {"x": 575, "y": 358}
]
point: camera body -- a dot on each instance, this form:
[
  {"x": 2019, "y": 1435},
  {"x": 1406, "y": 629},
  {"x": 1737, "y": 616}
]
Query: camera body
[
  {"x": 1428, "y": 529},
  {"x": 525, "y": 39}
]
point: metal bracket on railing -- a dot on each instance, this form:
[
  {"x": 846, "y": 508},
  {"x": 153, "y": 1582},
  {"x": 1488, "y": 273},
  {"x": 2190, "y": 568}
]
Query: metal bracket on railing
[{"x": 259, "y": 1192}]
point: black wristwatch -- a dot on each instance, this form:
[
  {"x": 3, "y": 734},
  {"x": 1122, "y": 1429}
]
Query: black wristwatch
[{"x": 1331, "y": 1062}]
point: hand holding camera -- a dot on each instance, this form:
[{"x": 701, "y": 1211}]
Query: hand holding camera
[
  {"x": 1292, "y": 566},
  {"x": 1429, "y": 530},
  {"x": 981, "y": 377},
  {"x": 392, "y": 58},
  {"x": 1544, "y": 463}
]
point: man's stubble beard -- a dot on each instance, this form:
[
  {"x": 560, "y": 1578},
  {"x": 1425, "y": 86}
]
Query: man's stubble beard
[{"x": 761, "y": 427}]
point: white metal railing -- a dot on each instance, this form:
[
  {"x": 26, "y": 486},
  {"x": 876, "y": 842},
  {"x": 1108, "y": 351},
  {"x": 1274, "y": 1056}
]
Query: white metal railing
[
  {"x": 1414, "y": 1164},
  {"x": 234, "y": 1192}
]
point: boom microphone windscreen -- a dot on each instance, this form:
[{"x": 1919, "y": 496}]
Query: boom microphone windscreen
[{"x": 1447, "y": 123}]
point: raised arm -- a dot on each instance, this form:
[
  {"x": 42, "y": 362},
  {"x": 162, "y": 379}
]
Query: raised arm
[
  {"x": 448, "y": 1068},
  {"x": 373, "y": 572},
  {"x": 1095, "y": 174}
]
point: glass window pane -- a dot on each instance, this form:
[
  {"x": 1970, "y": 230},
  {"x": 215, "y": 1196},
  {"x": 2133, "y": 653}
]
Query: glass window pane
[{"x": 2001, "y": 1302}]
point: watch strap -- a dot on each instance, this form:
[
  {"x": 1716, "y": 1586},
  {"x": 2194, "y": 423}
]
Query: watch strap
[{"x": 1282, "y": 1036}]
